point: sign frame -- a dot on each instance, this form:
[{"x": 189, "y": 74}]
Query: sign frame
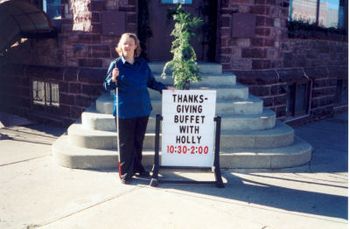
[
  {"x": 188, "y": 128},
  {"x": 215, "y": 166}
]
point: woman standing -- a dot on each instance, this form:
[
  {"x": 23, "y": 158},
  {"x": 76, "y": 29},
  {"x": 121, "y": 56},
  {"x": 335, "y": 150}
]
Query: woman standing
[{"x": 131, "y": 76}]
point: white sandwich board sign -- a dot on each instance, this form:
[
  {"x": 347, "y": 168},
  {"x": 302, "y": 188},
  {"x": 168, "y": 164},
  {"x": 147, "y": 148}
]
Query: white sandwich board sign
[{"x": 188, "y": 128}]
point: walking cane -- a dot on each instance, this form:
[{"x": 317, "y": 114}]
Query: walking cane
[{"x": 117, "y": 122}]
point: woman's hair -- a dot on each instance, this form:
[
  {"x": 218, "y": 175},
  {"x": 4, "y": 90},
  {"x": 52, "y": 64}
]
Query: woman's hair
[{"x": 118, "y": 49}]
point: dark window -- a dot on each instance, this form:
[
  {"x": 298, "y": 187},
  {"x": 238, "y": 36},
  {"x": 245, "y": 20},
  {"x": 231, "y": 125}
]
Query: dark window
[
  {"x": 54, "y": 11},
  {"x": 52, "y": 8},
  {"x": 341, "y": 97},
  {"x": 45, "y": 93},
  {"x": 177, "y": 1},
  {"x": 298, "y": 99},
  {"x": 324, "y": 13}
]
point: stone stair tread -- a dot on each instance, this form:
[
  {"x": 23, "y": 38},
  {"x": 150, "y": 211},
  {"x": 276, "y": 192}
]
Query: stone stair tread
[
  {"x": 62, "y": 143},
  {"x": 92, "y": 119},
  {"x": 251, "y": 99},
  {"x": 295, "y": 154},
  {"x": 79, "y": 130},
  {"x": 202, "y": 75},
  {"x": 234, "y": 86},
  {"x": 76, "y": 157},
  {"x": 228, "y": 87},
  {"x": 265, "y": 114},
  {"x": 294, "y": 148},
  {"x": 82, "y": 158},
  {"x": 280, "y": 128},
  {"x": 204, "y": 67},
  {"x": 93, "y": 113},
  {"x": 205, "y": 78}
]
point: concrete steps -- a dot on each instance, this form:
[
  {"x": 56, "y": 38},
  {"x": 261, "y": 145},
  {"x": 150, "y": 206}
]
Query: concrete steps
[
  {"x": 281, "y": 135},
  {"x": 100, "y": 139},
  {"x": 250, "y": 105},
  {"x": 292, "y": 155},
  {"x": 263, "y": 121},
  {"x": 283, "y": 157},
  {"x": 251, "y": 136},
  {"x": 204, "y": 68},
  {"x": 237, "y": 91},
  {"x": 207, "y": 80},
  {"x": 93, "y": 120}
]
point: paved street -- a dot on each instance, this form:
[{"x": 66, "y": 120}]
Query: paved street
[{"x": 35, "y": 192}]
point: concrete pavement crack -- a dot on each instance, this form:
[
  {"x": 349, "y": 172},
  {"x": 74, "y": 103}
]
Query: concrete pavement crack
[
  {"x": 26, "y": 160},
  {"x": 90, "y": 206}
]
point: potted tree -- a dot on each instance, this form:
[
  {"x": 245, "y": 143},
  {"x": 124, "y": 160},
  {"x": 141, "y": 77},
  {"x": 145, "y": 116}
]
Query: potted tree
[{"x": 184, "y": 64}]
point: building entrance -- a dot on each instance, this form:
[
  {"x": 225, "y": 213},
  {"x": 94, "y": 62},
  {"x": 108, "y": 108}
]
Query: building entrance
[{"x": 160, "y": 24}]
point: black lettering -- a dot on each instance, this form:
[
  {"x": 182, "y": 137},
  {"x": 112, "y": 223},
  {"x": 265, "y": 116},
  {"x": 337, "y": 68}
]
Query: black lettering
[
  {"x": 201, "y": 100},
  {"x": 176, "y": 119}
]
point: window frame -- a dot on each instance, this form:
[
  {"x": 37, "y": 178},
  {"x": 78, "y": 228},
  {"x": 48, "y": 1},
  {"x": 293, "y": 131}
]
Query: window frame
[
  {"x": 47, "y": 97},
  {"x": 172, "y": 3},
  {"x": 292, "y": 92},
  {"x": 342, "y": 86},
  {"x": 317, "y": 15}
]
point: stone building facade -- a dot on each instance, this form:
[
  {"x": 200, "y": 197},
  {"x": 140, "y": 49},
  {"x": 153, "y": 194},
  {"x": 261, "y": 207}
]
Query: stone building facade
[{"x": 278, "y": 66}]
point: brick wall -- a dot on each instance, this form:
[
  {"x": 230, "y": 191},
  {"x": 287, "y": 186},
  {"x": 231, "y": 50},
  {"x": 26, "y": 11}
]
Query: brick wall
[
  {"x": 270, "y": 86},
  {"x": 84, "y": 44},
  {"x": 77, "y": 60},
  {"x": 261, "y": 51},
  {"x": 314, "y": 53},
  {"x": 80, "y": 42},
  {"x": 79, "y": 88}
]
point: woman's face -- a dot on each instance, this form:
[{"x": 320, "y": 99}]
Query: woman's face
[{"x": 128, "y": 47}]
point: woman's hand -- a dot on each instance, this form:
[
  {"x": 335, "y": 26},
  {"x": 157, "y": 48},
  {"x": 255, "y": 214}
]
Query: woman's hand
[
  {"x": 115, "y": 74},
  {"x": 171, "y": 88}
]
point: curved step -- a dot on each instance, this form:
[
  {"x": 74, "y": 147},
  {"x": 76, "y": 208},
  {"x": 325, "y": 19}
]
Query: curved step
[
  {"x": 98, "y": 139},
  {"x": 104, "y": 103},
  {"x": 263, "y": 121},
  {"x": 206, "y": 68},
  {"x": 212, "y": 80},
  {"x": 252, "y": 105},
  {"x": 92, "y": 120},
  {"x": 296, "y": 154},
  {"x": 280, "y": 135},
  {"x": 237, "y": 91},
  {"x": 75, "y": 157}
]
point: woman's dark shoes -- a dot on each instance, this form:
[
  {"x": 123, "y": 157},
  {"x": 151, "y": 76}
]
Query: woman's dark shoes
[
  {"x": 142, "y": 174},
  {"x": 125, "y": 181}
]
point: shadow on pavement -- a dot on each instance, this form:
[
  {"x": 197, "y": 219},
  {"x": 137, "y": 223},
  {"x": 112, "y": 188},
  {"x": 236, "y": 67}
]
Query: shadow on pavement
[{"x": 266, "y": 195}]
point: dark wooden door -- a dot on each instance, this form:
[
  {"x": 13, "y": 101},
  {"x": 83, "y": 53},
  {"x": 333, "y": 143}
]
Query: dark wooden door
[{"x": 161, "y": 24}]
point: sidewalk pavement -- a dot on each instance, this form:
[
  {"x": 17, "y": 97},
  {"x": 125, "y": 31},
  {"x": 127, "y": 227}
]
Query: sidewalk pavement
[{"x": 35, "y": 192}]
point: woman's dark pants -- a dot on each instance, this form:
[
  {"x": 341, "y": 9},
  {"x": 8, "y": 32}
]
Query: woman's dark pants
[{"x": 131, "y": 134}]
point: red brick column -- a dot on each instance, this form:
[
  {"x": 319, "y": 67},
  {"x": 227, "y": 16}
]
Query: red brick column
[{"x": 83, "y": 42}]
